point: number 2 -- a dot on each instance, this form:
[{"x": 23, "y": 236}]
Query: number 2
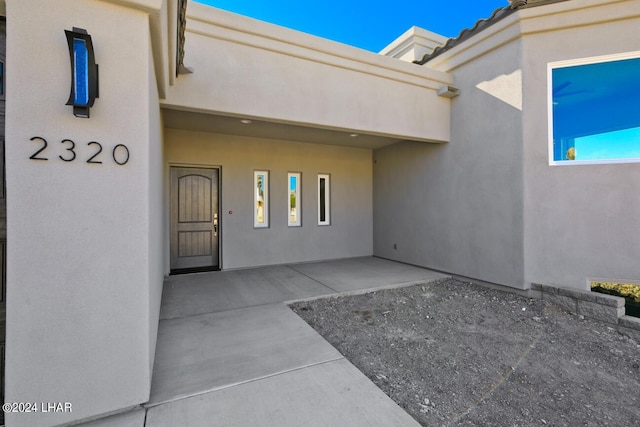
[
  {"x": 34, "y": 156},
  {"x": 96, "y": 153}
]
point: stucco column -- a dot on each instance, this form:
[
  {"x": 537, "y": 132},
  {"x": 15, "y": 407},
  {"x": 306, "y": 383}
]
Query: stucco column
[{"x": 82, "y": 277}]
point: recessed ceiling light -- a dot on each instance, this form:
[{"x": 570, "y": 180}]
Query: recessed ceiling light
[
  {"x": 353, "y": 135},
  {"x": 245, "y": 121}
]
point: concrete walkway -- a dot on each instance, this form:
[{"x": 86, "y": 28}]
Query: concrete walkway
[{"x": 231, "y": 353}]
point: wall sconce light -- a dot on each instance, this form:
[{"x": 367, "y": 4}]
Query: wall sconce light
[
  {"x": 84, "y": 72},
  {"x": 448, "y": 91}
]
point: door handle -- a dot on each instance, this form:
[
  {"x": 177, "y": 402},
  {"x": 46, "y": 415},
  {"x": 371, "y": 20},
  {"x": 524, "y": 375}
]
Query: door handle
[{"x": 215, "y": 225}]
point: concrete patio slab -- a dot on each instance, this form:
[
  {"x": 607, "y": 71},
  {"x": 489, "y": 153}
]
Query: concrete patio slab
[
  {"x": 201, "y": 353},
  {"x": 230, "y": 353},
  {"x": 330, "y": 394},
  {"x": 188, "y": 295},
  {"x": 357, "y": 274}
]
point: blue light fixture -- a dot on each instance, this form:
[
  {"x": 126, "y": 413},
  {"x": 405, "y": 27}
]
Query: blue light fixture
[{"x": 84, "y": 72}]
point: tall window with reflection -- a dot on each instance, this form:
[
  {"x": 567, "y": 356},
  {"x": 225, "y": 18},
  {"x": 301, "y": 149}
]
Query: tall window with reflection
[
  {"x": 294, "y": 199},
  {"x": 595, "y": 110}
]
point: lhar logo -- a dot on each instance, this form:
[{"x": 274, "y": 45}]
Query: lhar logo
[{"x": 84, "y": 72}]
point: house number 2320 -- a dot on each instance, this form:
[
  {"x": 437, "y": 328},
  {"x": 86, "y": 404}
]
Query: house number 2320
[{"x": 69, "y": 149}]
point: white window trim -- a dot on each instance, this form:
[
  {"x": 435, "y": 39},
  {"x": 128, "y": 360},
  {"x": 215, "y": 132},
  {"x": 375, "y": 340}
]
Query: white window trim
[
  {"x": 327, "y": 204},
  {"x": 298, "y": 193},
  {"x": 569, "y": 63}
]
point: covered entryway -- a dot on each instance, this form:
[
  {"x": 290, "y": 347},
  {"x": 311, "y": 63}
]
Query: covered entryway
[
  {"x": 194, "y": 219},
  {"x": 263, "y": 126}
]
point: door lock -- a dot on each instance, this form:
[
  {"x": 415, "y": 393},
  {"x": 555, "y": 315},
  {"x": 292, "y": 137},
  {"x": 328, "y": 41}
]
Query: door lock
[{"x": 215, "y": 225}]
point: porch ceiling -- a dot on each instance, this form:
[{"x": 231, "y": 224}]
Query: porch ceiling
[{"x": 201, "y": 122}]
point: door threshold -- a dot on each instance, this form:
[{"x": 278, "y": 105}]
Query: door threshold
[{"x": 178, "y": 271}]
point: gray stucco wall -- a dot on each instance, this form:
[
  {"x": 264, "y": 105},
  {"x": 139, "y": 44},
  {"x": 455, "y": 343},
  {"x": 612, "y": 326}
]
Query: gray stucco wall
[
  {"x": 156, "y": 214},
  {"x": 457, "y": 207},
  {"x": 350, "y": 232},
  {"x": 581, "y": 221}
]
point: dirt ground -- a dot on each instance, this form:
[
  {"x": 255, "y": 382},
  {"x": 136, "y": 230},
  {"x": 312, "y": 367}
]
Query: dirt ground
[{"x": 454, "y": 353}]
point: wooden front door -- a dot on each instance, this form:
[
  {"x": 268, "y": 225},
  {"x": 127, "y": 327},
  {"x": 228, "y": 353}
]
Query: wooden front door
[{"x": 195, "y": 225}]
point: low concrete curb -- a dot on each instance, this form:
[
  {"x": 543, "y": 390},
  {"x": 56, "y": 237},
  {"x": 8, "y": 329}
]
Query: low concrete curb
[{"x": 605, "y": 308}]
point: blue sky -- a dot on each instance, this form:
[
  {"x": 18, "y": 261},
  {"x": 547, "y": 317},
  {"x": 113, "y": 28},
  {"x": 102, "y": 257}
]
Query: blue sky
[
  {"x": 622, "y": 144},
  {"x": 369, "y": 24}
]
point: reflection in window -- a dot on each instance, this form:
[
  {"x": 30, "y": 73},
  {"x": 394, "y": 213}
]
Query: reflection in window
[
  {"x": 295, "y": 202},
  {"x": 261, "y": 199},
  {"x": 595, "y": 110},
  {"x": 324, "y": 200}
]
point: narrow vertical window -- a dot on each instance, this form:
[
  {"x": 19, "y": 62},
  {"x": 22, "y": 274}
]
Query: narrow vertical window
[
  {"x": 1, "y": 78},
  {"x": 261, "y": 199},
  {"x": 324, "y": 199},
  {"x": 294, "y": 199}
]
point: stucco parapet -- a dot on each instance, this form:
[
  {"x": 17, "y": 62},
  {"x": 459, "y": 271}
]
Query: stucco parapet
[
  {"x": 497, "y": 35},
  {"x": 553, "y": 17},
  {"x": 159, "y": 32},
  {"x": 415, "y": 41},
  {"x": 144, "y": 5},
  {"x": 529, "y": 20},
  {"x": 227, "y": 26}
]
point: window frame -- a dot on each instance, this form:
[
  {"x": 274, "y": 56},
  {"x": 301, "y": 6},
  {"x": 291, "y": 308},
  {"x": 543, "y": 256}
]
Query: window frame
[
  {"x": 550, "y": 138},
  {"x": 265, "y": 201}
]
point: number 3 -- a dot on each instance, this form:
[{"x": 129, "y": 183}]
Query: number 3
[{"x": 70, "y": 149}]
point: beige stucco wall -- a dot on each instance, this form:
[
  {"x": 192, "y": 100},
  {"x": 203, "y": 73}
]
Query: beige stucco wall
[
  {"x": 350, "y": 232},
  {"x": 457, "y": 207},
  {"x": 580, "y": 221},
  {"x": 247, "y": 68},
  {"x": 155, "y": 213},
  {"x": 84, "y": 270}
]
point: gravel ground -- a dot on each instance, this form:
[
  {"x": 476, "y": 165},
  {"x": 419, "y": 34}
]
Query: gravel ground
[{"x": 455, "y": 353}]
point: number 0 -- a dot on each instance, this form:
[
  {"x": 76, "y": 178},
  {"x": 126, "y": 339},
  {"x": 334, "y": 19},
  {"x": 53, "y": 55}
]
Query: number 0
[{"x": 126, "y": 150}]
